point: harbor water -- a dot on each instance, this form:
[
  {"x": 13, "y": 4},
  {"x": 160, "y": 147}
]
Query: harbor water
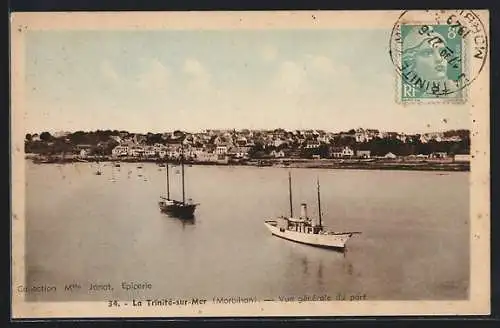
[{"x": 108, "y": 230}]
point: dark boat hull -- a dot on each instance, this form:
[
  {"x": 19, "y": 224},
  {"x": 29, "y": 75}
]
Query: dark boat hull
[{"x": 183, "y": 211}]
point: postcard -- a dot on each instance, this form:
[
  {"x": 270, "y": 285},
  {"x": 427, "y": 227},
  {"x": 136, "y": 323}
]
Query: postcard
[{"x": 228, "y": 164}]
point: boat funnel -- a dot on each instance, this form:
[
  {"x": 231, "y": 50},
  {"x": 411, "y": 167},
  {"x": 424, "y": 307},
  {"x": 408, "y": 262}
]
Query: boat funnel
[{"x": 303, "y": 211}]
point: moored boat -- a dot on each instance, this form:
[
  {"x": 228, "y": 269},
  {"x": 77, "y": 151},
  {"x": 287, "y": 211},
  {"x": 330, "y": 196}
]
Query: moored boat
[
  {"x": 306, "y": 230},
  {"x": 98, "y": 171},
  {"x": 181, "y": 209}
]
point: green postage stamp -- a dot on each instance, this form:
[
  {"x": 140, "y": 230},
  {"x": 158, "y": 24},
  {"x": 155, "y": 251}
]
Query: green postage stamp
[{"x": 437, "y": 55}]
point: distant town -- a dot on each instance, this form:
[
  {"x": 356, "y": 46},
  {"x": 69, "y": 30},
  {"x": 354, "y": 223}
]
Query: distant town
[{"x": 254, "y": 146}]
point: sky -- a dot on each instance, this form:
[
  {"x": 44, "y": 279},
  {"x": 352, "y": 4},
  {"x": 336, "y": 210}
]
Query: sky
[{"x": 163, "y": 80}]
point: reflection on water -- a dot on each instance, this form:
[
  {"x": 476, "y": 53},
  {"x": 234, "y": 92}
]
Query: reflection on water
[
  {"x": 84, "y": 228},
  {"x": 187, "y": 222}
]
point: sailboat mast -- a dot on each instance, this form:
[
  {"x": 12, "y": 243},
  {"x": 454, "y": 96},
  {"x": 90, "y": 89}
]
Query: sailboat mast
[
  {"x": 167, "y": 182},
  {"x": 319, "y": 204},
  {"x": 182, "y": 168},
  {"x": 290, "y": 193}
]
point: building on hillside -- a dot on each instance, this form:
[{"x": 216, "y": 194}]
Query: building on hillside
[
  {"x": 312, "y": 145},
  {"x": 341, "y": 152},
  {"x": 238, "y": 152},
  {"x": 221, "y": 149},
  {"x": 83, "y": 149},
  {"x": 84, "y": 153},
  {"x": 149, "y": 151},
  {"x": 120, "y": 151},
  {"x": 390, "y": 156},
  {"x": 363, "y": 153},
  {"x": 137, "y": 151},
  {"x": 162, "y": 153},
  {"x": 462, "y": 158},
  {"x": 439, "y": 154},
  {"x": 278, "y": 153}
]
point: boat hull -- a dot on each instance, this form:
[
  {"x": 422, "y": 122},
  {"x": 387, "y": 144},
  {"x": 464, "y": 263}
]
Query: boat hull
[
  {"x": 331, "y": 241},
  {"x": 183, "y": 211}
]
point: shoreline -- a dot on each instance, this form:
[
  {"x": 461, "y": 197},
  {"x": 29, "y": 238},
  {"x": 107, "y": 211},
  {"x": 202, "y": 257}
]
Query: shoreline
[{"x": 351, "y": 164}]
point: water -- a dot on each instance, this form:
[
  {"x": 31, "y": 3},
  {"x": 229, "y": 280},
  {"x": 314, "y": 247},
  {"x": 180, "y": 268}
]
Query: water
[{"x": 87, "y": 229}]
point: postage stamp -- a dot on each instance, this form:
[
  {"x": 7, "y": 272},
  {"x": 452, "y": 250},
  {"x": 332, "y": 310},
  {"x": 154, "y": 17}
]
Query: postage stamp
[
  {"x": 215, "y": 164},
  {"x": 438, "y": 54}
]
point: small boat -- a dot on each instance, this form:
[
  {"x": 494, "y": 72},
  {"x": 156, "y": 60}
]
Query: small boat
[
  {"x": 181, "y": 209},
  {"x": 305, "y": 230},
  {"x": 117, "y": 165},
  {"x": 98, "y": 171}
]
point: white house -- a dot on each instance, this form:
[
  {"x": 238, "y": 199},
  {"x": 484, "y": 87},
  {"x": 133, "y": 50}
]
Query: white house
[
  {"x": 340, "y": 152},
  {"x": 241, "y": 141},
  {"x": 137, "y": 151},
  {"x": 424, "y": 139},
  {"x": 324, "y": 138},
  {"x": 390, "y": 156},
  {"x": 462, "y": 158},
  {"x": 120, "y": 151},
  {"x": 84, "y": 153},
  {"x": 158, "y": 147},
  {"x": 363, "y": 153},
  {"x": 453, "y": 139},
  {"x": 336, "y": 152},
  {"x": 347, "y": 152},
  {"x": 362, "y": 136},
  {"x": 439, "y": 154},
  {"x": 278, "y": 154},
  {"x": 162, "y": 153},
  {"x": 206, "y": 157},
  {"x": 173, "y": 154},
  {"x": 221, "y": 150},
  {"x": 312, "y": 145},
  {"x": 401, "y": 137},
  {"x": 239, "y": 152},
  {"x": 278, "y": 142}
]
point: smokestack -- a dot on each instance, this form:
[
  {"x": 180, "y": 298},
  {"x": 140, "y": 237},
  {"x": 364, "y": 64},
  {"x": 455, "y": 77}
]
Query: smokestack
[{"x": 303, "y": 211}]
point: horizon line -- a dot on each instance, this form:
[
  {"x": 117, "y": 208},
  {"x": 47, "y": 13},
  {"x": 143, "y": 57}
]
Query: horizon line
[{"x": 54, "y": 131}]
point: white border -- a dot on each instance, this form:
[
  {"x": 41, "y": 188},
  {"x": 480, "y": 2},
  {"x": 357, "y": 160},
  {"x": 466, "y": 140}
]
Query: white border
[{"x": 479, "y": 302}]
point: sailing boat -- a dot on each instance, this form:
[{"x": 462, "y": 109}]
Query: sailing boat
[
  {"x": 180, "y": 209},
  {"x": 305, "y": 230},
  {"x": 98, "y": 172}
]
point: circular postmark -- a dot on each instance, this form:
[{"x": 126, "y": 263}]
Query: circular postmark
[{"x": 438, "y": 53}]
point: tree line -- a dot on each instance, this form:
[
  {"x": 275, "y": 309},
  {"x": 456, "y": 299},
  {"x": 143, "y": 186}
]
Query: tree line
[{"x": 102, "y": 144}]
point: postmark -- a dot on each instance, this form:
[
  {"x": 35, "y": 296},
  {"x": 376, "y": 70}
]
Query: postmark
[{"x": 437, "y": 54}]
